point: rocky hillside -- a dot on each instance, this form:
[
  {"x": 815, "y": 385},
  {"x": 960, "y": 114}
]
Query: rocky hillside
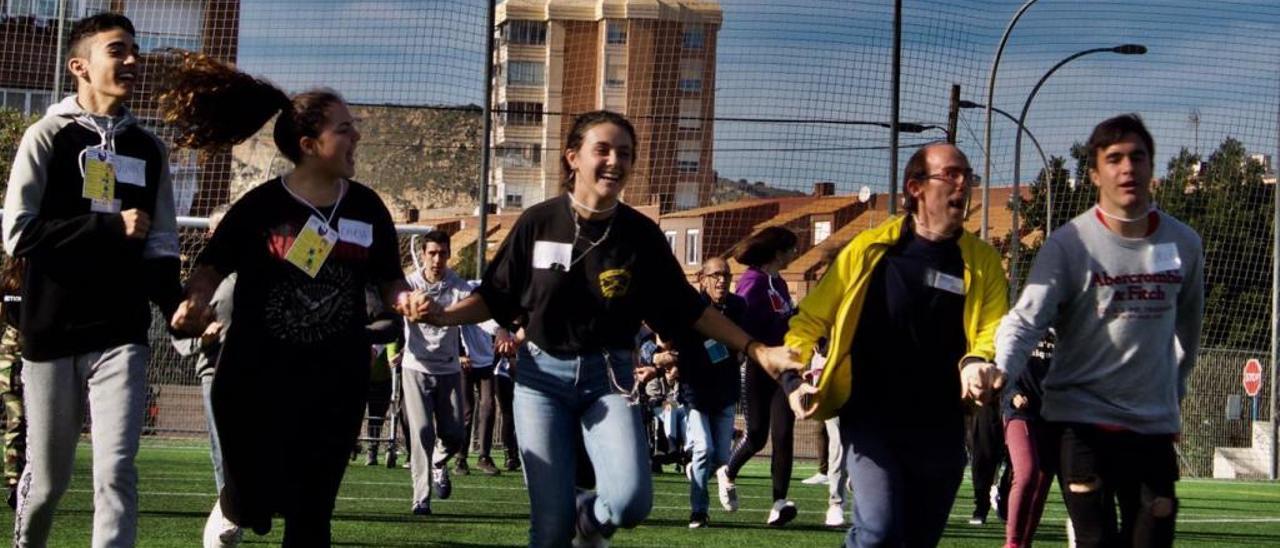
[
  {"x": 416, "y": 158},
  {"x": 728, "y": 190}
]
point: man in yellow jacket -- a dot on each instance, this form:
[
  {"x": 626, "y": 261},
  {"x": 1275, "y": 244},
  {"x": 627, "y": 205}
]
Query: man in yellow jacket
[{"x": 910, "y": 309}]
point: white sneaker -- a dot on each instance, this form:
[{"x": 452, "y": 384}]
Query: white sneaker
[
  {"x": 816, "y": 479},
  {"x": 727, "y": 490},
  {"x": 219, "y": 532},
  {"x": 782, "y": 513},
  {"x": 835, "y": 516}
]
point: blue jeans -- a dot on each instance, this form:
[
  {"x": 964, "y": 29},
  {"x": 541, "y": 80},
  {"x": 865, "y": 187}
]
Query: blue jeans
[
  {"x": 215, "y": 448},
  {"x": 673, "y": 421},
  {"x": 904, "y": 482},
  {"x": 710, "y": 437},
  {"x": 557, "y": 396}
]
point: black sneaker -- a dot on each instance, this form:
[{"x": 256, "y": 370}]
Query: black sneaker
[
  {"x": 512, "y": 464},
  {"x": 979, "y": 518},
  {"x": 422, "y": 508},
  {"x": 440, "y": 482},
  {"x": 460, "y": 468},
  {"x": 697, "y": 520},
  {"x": 485, "y": 465}
]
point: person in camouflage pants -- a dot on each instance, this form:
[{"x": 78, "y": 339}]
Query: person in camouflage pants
[{"x": 14, "y": 423}]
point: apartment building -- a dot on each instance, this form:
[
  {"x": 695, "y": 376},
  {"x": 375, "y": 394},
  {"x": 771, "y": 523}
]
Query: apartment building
[{"x": 652, "y": 60}]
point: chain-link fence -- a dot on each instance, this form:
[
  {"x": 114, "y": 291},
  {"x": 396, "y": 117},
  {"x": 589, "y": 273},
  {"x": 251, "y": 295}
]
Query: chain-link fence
[{"x": 745, "y": 110}]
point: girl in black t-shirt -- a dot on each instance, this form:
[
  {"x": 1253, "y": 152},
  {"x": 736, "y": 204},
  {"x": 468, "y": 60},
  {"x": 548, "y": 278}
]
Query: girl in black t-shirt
[
  {"x": 579, "y": 272},
  {"x": 290, "y": 382}
]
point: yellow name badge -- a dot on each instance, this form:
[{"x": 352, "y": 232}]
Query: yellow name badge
[
  {"x": 312, "y": 246},
  {"x": 99, "y": 176}
]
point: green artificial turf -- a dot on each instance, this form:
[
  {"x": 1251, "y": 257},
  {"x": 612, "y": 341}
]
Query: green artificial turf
[{"x": 373, "y": 510}]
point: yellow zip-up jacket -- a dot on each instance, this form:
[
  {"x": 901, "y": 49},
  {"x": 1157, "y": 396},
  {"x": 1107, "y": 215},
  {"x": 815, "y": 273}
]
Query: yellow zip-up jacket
[{"x": 832, "y": 308}]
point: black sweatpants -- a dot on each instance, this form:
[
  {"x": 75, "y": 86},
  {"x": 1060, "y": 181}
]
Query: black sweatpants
[
  {"x": 767, "y": 411},
  {"x": 1126, "y": 469},
  {"x": 986, "y": 444}
]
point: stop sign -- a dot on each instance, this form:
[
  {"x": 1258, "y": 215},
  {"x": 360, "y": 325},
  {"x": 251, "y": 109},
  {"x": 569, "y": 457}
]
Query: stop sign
[{"x": 1252, "y": 377}]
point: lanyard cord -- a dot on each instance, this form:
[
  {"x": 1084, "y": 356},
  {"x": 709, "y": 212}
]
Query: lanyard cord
[
  {"x": 342, "y": 192},
  {"x": 577, "y": 234}
]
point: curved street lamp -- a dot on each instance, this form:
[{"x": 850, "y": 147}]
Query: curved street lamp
[
  {"x": 1124, "y": 49},
  {"x": 991, "y": 93}
]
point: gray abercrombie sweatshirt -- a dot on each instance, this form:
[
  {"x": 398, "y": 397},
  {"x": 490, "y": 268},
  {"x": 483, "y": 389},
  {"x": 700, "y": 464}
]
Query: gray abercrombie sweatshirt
[{"x": 1127, "y": 314}]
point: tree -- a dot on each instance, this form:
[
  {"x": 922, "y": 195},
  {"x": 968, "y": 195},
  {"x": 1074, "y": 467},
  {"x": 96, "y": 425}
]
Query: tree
[
  {"x": 1226, "y": 202},
  {"x": 12, "y": 125}
]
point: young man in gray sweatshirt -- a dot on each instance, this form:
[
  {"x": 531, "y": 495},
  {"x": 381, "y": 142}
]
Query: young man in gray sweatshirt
[
  {"x": 1121, "y": 286},
  {"x": 433, "y": 400}
]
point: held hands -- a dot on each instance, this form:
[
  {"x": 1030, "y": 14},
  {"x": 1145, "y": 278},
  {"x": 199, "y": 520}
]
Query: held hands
[
  {"x": 775, "y": 360},
  {"x": 802, "y": 400},
  {"x": 466, "y": 363},
  {"x": 1019, "y": 401},
  {"x": 416, "y": 306},
  {"x": 981, "y": 382},
  {"x": 136, "y": 223},
  {"x": 666, "y": 359},
  {"x": 212, "y": 333},
  {"x": 193, "y": 316},
  {"x": 504, "y": 344}
]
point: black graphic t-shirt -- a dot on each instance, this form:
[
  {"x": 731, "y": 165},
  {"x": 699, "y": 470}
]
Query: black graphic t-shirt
[
  {"x": 580, "y": 286},
  {"x": 278, "y": 304}
]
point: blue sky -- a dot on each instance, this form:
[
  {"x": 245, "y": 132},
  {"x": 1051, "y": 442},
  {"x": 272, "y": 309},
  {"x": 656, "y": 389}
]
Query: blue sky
[{"x": 827, "y": 59}]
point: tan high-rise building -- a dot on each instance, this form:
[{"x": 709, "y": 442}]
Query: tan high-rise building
[{"x": 652, "y": 60}]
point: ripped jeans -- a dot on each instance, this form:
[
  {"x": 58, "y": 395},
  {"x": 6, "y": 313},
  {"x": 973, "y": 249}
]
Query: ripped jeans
[
  {"x": 1103, "y": 469},
  {"x": 557, "y": 396}
]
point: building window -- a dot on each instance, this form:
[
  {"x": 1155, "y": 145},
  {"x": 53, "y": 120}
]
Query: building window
[
  {"x": 694, "y": 38},
  {"x": 686, "y": 195},
  {"x": 152, "y": 41},
  {"x": 520, "y": 154},
  {"x": 616, "y": 32},
  {"x": 525, "y": 73},
  {"x": 44, "y": 9},
  {"x": 690, "y": 75},
  {"x": 615, "y": 71},
  {"x": 25, "y": 101},
  {"x": 687, "y": 161},
  {"x": 522, "y": 113},
  {"x": 821, "y": 231},
  {"x": 671, "y": 240},
  {"x": 525, "y": 33},
  {"x": 692, "y": 246},
  {"x": 514, "y": 200},
  {"x": 690, "y": 114}
]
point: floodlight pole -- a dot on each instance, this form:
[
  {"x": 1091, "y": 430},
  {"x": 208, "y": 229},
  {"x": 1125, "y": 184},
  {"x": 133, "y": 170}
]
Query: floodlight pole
[
  {"x": 893, "y": 116},
  {"x": 482, "y": 239},
  {"x": 986, "y": 147}
]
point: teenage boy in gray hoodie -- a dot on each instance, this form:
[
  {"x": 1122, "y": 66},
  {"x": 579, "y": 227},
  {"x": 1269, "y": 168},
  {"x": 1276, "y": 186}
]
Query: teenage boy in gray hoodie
[{"x": 1122, "y": 286}]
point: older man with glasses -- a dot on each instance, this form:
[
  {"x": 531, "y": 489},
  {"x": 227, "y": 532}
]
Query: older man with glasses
[
  {"x": 910, "y": 309},
  {"x": 711, "y": 381}
]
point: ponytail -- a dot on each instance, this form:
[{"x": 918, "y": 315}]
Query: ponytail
[{"x": 212, "y": 104}]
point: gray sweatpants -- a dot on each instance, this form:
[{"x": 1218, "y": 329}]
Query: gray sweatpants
[
  {"x": 115, "y": 383},
  {"x": 433, "y": 405}
]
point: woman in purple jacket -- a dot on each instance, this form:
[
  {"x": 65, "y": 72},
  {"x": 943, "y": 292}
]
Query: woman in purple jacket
[{"x": 769, "y": 307}]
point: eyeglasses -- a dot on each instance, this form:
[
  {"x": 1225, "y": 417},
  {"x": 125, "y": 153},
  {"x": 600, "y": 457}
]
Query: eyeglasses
[
  {"x": 724, "y": 275},
  {"x": 964, "y": 176}
]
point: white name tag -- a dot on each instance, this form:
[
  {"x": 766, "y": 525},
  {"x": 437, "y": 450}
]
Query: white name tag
[
  {"x": 356, "y": 232},
  {"x": 1164, "y": 257},
  {"x": 552, "y": 255},
  {"x": 130, "y": 170},
  {"x": 104, "y": 206},
  {"x": 945, "y": 282}
]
